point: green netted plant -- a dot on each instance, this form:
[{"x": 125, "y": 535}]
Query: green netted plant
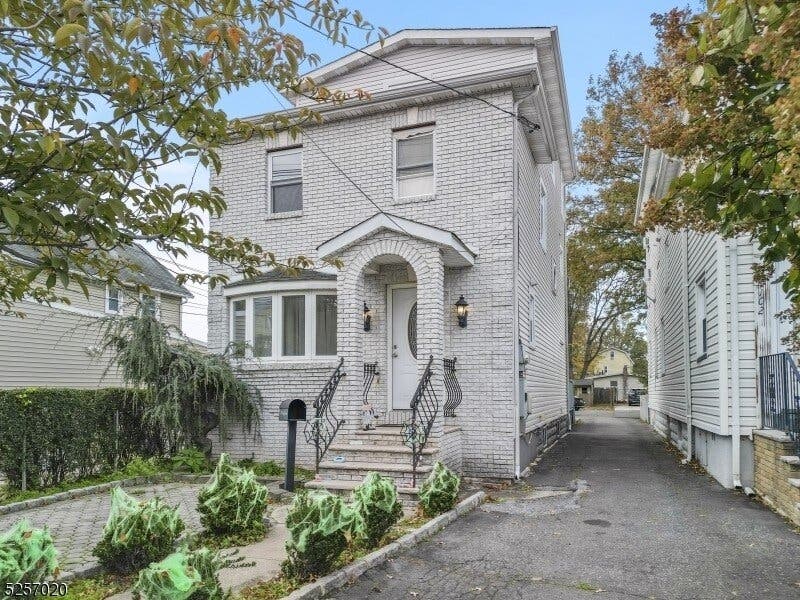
[
  {"x": 233, "y": 501},
  {"x": 320, "y": 526},
  {"x": 27, "y": 555},
  {"x": 376, "y": 506},
  {"x": 137, "y": 533},
  {"x": 183, "y": 575},
  {"x": 439, "y": 492},
  {"x": 190, "y": 460}
]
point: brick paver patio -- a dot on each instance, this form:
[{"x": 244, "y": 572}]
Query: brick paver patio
[{"x": 77, "y": 525}]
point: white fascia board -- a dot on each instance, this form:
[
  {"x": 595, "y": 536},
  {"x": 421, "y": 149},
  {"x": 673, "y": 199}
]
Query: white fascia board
[
  {"x": 278, "y": 286},
  {"x": 459, "y": 256}
]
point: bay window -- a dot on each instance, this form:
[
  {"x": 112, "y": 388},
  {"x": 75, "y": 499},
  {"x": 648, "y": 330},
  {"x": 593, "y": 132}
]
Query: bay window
[{"x": 284, "y": 324}]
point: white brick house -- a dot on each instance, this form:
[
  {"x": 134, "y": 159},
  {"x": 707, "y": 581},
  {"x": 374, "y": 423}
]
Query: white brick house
[{"x": 471, "y": 204}]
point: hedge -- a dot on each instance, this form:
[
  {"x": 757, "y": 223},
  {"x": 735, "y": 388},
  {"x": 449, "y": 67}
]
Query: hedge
[{"x": 57, "y": 434}]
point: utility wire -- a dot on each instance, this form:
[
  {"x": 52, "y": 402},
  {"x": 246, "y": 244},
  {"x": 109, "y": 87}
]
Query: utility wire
[{"x": 525, "y": 121}]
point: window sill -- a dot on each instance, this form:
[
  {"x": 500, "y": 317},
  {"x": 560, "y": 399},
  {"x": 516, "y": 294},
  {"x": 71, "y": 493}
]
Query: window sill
[
  {"x": 286, "y": 363},
  {"x": 413, "y": 199},
  {"x": 289, "y": 214},
  {"x": 702, "y": 357}
]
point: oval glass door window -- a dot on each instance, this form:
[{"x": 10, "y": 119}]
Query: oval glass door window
[{"x": 412, "y": 330}]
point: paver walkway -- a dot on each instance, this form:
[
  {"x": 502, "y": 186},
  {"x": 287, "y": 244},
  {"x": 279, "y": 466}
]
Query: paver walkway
[
  {"x": 607, "y": 509},
  {"x": 77, "y": 525}
]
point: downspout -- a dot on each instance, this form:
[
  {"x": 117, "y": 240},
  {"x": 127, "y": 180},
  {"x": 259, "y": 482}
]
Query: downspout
[
  {"x": 687, "y": 366},
  {"x": 736, "y": 441},
  {"x": 515, "y": 275}
]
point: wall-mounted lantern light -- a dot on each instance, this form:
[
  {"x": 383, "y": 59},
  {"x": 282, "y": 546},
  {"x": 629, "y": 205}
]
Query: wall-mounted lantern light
[
  {"x": 367, "y": 317},
  {"x": 462, "y": 308}
]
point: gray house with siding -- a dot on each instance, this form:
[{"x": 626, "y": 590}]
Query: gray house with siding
[
  {"x": 720, "y": 376},
  {"x": 57, "y": 345},
  {"x": 445, "y": 326}
]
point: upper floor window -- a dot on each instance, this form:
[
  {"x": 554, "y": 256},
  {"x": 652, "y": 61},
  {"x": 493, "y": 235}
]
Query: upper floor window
[
  {"x": 284, "y": 324},
  {"x": 700, "y": 315},
  {"x": 414, "y": 175},
  {"x": 286, "y": 180},
  {"x": 151, "y": 305},
  {"x": 542, "y": 214},
  {"x": 113, "y": 300},
  {"x": 611, "y": 354}
]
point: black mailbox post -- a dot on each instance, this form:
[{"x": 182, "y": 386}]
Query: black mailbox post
[{"x": 291, "y": 411}]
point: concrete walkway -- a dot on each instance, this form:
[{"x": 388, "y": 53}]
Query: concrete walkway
[{"x": 608, "y": 510}]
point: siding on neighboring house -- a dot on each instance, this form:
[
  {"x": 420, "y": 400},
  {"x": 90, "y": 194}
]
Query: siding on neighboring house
[{"x": 56, "y": 346}]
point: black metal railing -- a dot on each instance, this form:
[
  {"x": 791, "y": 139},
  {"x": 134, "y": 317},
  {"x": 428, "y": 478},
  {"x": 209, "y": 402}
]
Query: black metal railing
[
  {"x": 370, "y": 374},
  {"x": 780, "y": 394},
  {"x": 424, "y": 406},
  {"x": 322, "y": 428},
  {"x": 453, "y": 388}
]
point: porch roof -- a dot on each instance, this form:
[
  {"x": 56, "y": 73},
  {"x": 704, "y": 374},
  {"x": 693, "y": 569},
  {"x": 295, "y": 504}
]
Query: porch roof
[{"x": 455, "y": 253}]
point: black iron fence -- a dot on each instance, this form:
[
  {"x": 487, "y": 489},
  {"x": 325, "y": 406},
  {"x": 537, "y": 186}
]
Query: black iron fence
[
  {"x": 454, "y": 393},
  {"x": 323, "y": 426},
  {"x": 424, "y": 406},
  {"x": 780, "y": 394}
]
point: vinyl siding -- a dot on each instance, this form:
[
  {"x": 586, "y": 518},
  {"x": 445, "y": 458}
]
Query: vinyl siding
[
  {"x": 440, "y": 63},
  {"x": 545, "y": 371}
]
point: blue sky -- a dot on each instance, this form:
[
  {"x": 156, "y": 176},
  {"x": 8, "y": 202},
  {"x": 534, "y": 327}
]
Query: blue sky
[{"x": 588, "y": 30}]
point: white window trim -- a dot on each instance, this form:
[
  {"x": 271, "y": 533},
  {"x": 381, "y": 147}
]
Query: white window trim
[
  {"x": 543, "y": 208},
  {"x": 120, "y": 300},
  {"x": 700, "y": 292},
  {"x": 532, "y": 306},
  {"x": 403, "y": 134},
  {"x": 283, "y": 152},
  {"x": 277, "y": 356},
  {"x": 554, "y": 277}
]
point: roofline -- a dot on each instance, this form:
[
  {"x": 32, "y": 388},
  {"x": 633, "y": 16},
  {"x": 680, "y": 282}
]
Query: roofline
[
  {"x": 564, "y": 102},
  {"x": 186, "y": 293}
]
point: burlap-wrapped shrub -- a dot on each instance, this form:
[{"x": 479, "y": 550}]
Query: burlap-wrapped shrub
[
  {"x": 183, "y": 575},
  {"x": 27, "y": 555},
  {"x": 233, "y": 501},
  {"x": 137, "y": 533},
  {"x": 375, "y": 504},
  {"x": 319, "y": 525},
  {"x": 439, "y": 492}
]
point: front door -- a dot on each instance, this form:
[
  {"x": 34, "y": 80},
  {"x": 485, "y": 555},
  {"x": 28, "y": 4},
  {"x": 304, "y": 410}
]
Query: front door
[{"x": 403, "y": 345}]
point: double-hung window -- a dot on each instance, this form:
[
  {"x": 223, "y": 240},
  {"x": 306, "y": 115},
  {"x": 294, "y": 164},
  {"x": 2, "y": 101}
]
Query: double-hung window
[
  {"x": 701, "y": 317},
  {"x": 286, "y": 180},
  {"x": 414, "y": 174},
  {"x": 542, "y": 214},
  {"x": 151, "y": 304},
  {"x": 113, "y": 300},
  {"x": 284, "y": 325}
]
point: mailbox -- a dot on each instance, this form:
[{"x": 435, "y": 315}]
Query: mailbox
[{"x": 292, "y": 410}]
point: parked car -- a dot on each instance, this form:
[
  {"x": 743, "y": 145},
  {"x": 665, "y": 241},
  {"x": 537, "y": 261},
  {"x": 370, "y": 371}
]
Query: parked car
[
  {"x": 633, "y": 398},
  {"x": 579, "y": 404}
]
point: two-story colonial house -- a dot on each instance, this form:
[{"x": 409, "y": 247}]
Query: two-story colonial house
[{"x": 442, "y": 198}]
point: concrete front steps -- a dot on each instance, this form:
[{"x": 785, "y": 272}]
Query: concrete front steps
[{"x": 349, "y": 460}]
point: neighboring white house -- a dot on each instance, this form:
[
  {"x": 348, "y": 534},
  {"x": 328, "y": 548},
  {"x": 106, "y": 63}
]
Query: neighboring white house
[
  {"x": 58, "y": 345},
  {"x": 613, "y": 369},
  {"x": 708, "y": 324},
  {"x": 459, "y": 203}
]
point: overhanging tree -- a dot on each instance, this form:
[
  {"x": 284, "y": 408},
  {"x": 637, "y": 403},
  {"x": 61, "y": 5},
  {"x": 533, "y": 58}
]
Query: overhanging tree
[{"x": 95, "y": 97}]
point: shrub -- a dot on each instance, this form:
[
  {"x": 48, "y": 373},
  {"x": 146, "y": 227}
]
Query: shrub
[
  {"x": 57, "y": 434},
  {"x": 191, "y": 460},
  {"x": 137, "y": 533},
  {"x": 139, "y": 467},
  {"x": 233, "y": 501},
  {"x": 319, "y": 525},
  {"x": 439, "y": 492},
  {"x": 376, "y": 506},
  {"x": 27, "y": 555},
  {"x": 183, "y": 575}
]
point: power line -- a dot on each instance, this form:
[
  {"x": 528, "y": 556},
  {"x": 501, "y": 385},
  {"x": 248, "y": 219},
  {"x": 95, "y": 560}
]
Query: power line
[
  {"x": 524, "y": 120},
  {"x": 338, "y": 168}
]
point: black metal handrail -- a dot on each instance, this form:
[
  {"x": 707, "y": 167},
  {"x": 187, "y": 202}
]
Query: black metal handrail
[
  {"x": 453, "y": 388},
  {"x": 370, "y": 373},
  {"x": 424, "y": 406},
  {"x": 780, "y": 394},
  {"x": 322, "y": 428}
]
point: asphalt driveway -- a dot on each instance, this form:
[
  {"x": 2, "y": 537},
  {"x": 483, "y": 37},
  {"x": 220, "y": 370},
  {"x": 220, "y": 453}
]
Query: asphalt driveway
[{"x": 608, "y": 511}]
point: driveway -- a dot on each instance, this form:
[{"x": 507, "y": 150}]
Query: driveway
[{"x": 608, "y": 511}]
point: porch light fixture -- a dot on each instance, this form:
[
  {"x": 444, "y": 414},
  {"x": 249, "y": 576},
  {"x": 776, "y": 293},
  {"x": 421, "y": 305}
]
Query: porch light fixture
[
  {"x": 367, "y": 317},
  {"x": 461, "y": 311}
]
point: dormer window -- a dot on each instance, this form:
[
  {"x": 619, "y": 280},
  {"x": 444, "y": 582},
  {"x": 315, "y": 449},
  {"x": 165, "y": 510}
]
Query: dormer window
[
  {"x": 286, "y": 180},
  {"x": 113, "y": 300},
  {"x": 414, "y": 173}
]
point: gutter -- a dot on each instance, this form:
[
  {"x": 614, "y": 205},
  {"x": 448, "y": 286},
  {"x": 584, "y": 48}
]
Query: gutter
[{"x": 736, "y": 441}]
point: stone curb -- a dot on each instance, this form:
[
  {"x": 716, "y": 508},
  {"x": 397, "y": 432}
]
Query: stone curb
[
  {"x": 345, "y": 575},
  {"x": 104, "y": 487}
]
